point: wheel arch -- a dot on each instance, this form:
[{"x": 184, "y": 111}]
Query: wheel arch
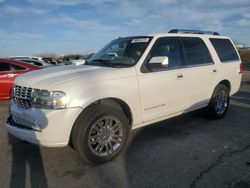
[
  {"x": 226, "y": 83},
  {"x": 112, "y": 101},
  {"x": 118, "y": 103},
  {"x": 211, "y": 110}
]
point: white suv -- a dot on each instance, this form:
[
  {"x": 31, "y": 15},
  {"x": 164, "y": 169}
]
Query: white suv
[{"x": 130, "y": 83}]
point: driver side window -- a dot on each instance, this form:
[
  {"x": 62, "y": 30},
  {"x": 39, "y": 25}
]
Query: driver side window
[{"x": 165, "y": 47}]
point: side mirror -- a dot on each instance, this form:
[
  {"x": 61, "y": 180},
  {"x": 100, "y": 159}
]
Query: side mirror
[{"x": 162, "y": 60}]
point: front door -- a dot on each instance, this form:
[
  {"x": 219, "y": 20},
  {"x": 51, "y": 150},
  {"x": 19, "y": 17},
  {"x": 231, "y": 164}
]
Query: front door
[{"x": 163, "y": 87}]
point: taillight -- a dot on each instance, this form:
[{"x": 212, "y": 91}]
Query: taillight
[{"x": 241, "y": 69}]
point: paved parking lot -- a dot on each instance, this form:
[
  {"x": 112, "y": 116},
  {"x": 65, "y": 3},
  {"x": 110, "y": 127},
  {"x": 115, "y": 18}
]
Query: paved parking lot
[{"x": 186, "y": 151}]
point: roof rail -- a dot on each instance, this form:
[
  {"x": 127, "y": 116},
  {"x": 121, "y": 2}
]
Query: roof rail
[{"x": 193, "y": 31}]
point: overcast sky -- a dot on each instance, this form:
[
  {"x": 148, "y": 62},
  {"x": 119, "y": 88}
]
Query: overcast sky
[{"x": 75, "y": 26}]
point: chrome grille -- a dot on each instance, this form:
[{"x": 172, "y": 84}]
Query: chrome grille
[{"x": 22, "y": 96}]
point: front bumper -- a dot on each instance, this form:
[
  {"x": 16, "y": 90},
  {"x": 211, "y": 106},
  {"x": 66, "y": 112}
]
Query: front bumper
[{"x": 45, "y": 127}]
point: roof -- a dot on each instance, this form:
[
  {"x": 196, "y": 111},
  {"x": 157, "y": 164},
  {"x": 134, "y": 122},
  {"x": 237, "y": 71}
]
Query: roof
[
  {"x": 186, "y": 35},
  {"x": 189, "y": 33}
]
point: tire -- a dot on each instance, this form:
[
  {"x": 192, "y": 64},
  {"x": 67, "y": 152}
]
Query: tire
[
  {"x": 100, "y": 133},
  {"x": 219, "y": 102}
]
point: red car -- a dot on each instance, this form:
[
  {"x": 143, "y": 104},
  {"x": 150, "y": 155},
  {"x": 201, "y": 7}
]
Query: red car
[{"x": 9, "y": 70}]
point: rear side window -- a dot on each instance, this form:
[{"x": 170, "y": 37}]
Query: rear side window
[
  {"x": 195, "y": 51},
  {"x": 4, "y": 67},
  {"x": 18, "y": 68},
  {"x": 224, "y": 49}
]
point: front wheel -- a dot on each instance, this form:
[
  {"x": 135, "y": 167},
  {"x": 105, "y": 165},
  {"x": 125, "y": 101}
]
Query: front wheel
[
  {"x": 100, "y": 133},
  {"x": 219, "y": 102}
]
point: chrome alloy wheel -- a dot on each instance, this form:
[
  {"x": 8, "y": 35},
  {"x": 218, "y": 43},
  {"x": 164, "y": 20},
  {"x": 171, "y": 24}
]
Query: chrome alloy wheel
[
  {"x": 221, "y": 102},
  {"x": 105, "y": 136}
]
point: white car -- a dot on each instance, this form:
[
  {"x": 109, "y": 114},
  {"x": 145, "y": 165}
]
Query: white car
[
  {"x": 45, "y": 60},
  {"x": 75, "y": 62},
  {"x": 26, "y": 57},
  {"x": 38, "y": 63},
  {"x": 151, "y": 78}
]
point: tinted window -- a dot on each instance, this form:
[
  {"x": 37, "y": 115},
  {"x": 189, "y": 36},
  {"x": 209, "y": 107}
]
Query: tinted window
[
  {"x": 4, "y": 67},
  {"x": 224, "y": 49},
  {"x": 33, "y": 62},
  {"x": 37, "y": 64},
  {"x": 17, "y": 67},
  {"x": 195, "y": 51},
  {"x": 169, "y": 47}
]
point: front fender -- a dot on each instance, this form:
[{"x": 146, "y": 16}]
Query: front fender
[{"x": 125, "y": 89}]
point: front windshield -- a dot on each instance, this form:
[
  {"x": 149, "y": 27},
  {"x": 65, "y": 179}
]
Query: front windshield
[{"x": 122, "y": 52}]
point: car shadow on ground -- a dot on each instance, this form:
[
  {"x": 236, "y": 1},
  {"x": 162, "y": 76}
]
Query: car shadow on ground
[
  {"x": 26, "y": 161},
  {"x": 176, "y": 151},
  {"x": 27, "y": 164}
]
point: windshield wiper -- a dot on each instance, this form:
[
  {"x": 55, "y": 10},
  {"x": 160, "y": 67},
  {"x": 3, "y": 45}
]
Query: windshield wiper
[{"x": 104, "y": 61}]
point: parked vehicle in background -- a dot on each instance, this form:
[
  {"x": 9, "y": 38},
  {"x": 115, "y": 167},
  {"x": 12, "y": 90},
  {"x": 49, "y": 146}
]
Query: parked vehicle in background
[
  {"x": 75, "y": 62},
  {"x": 9, "y": 70},
  {"x": 130, "y": 83},
  {"x": 49, "y": 60},
  {"x": 26, "y": 57},
  {"x": 35, "y": 58},
  {"x": 41, "y": 64}
]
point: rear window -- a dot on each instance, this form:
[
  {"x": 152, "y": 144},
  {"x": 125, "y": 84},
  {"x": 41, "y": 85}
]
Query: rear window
[
  {"x": 195, "y": 51},
  {"x": 224, "y": 49},
  {"x": 17, "y": 67}
]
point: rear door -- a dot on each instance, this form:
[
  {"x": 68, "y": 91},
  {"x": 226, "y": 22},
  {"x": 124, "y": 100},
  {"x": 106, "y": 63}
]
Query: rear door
[
  {"x": 229, "y": 66},
  {"x": 200, "y": 71}
]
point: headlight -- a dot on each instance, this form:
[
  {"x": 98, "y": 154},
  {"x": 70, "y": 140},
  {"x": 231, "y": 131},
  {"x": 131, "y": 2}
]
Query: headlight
[{"x": 48, "y": 99}]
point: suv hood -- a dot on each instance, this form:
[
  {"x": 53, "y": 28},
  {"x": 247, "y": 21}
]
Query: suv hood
[{"x": 54, "y": 76}]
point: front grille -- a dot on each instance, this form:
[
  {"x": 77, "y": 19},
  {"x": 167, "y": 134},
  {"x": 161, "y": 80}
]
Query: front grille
[{"x": 22, "y": 96}]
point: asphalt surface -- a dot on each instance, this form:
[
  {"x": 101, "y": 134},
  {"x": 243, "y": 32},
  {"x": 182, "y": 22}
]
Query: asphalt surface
[{"x": 186, "y": 151}]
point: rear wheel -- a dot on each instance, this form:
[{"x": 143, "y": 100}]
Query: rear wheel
[
  {"x": 100, "y": 133},
  {"x": 219, "y": 102}
]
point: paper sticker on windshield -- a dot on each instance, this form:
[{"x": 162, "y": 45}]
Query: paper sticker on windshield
[{"x": 140, "y": 40}]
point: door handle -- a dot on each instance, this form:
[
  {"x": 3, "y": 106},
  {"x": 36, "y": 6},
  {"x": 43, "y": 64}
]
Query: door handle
[
  {"x": 10, "y": 75},
  {"x": 214, "y": 70},
  {"x": 178, "y": 76}
]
